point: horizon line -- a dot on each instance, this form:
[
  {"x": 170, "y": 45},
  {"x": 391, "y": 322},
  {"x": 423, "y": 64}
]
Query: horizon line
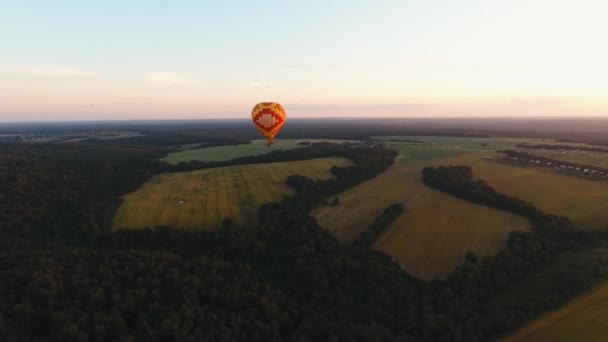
[{"x": 300, "y": 118}]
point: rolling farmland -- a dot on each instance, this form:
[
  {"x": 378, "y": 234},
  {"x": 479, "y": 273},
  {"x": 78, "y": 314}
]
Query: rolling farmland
[
  {"x": 584, "y": 201},
  {"x": 433, "y": 234},
  {"x": 211, "y": 195},
  {"x": 431, "y": 237}
]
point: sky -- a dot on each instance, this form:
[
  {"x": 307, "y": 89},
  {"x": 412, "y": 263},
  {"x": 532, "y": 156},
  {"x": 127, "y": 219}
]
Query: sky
[{"x": 96, "y": 60}]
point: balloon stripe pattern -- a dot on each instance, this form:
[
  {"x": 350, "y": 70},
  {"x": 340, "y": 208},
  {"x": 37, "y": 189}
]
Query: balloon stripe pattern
[{"x": 268, "y": 118}]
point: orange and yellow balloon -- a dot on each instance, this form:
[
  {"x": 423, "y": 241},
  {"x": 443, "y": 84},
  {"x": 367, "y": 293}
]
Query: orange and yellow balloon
[{"x": 268, "y": 117}]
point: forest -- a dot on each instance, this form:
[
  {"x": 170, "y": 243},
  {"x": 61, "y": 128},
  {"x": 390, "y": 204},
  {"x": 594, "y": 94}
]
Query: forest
[{"x": 67, "y": 278}]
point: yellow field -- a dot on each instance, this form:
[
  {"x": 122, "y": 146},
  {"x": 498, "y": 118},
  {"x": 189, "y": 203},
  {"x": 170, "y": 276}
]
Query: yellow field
[
  {"x": 584, "y": 201},
  {"x": 211, "y": 195},
  {"x": 583, "y": 319},
  {"x": 435, "y": 231}
]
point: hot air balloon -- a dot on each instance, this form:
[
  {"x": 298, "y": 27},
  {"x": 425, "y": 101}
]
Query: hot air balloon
[{"x": 268, "y": 117}]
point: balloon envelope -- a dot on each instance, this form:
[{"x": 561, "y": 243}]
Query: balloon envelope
[{"x": 268, "y": 117}]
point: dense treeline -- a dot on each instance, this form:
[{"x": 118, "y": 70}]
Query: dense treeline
[
  {"x": 367, "y": 238},
  {"x": 315, "y": 150},
  {"x": 68, "y": 189},
  {"x": 564, "y": 147},
  {"x": 526, "y": 252}
]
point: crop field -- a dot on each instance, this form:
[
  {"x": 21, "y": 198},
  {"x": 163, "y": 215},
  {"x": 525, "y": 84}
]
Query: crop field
[
  {"x": 584, "y": 201},
  {"x": 435, "y": 231},
  {"x": 585, "y": 318},
  {"x": 222, "y": 153},
  {"x": 202, "y": 199},
  {"x": 466, "y": 143},
  {"x": 438, "y": 147}
]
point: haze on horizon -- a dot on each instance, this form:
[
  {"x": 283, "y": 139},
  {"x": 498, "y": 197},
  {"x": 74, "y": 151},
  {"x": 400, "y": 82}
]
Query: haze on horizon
[{"x": 97, "y": 60}]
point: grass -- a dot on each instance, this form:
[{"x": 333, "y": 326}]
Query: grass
[
  {"x": 211, "y": 195},
  {"x": 223, "y": 153},
  {"x": 433, "y": 234},
  {"x": 468, "y": 144},
  {"x": 410, "y": 153},
  {"x": 438, "y": 147},
  {"x": 584, "y": 201},
  {"x": 582, "y": 319}
]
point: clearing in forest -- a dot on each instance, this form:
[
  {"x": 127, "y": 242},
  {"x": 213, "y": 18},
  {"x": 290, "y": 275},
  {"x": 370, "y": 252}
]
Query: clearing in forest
[
  {"x": 202, "y": 199},
  {"x": 584, "y": 201},
  {"x": 434, "y": 232}
]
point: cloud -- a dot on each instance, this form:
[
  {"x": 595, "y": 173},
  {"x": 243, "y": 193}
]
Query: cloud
[
  {"x": 259, "y": 85},
  {"x": 365, "y": 108},
  {"x": 313, "y": 107},
  {"x": 171, "y": 78},
  {"x": 542, "y": 100},
  {"x": 47, "y": 71}
]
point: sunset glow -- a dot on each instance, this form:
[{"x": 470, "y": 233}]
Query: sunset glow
[{"x": 86, "y": 60}]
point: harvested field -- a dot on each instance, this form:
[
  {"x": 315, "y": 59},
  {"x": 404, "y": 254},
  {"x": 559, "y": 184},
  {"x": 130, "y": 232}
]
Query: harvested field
[
  {"x": 202, "y": 199},
  {"x": 435, "y": 231}
]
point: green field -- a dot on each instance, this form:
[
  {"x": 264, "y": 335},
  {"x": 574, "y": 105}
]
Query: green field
[
  {"x": 434, "y": 233},
  {"x": 211, "y": 195},
  {"x": 466, "y": 143},
  {"x": 438, "y": 147},
  {"x": 223, "y": 153},
  {"x": 584, "y": 201}
]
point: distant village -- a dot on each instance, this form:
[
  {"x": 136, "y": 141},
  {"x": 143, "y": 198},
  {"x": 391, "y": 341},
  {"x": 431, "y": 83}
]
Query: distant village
[{"x": 583, "y": 170}]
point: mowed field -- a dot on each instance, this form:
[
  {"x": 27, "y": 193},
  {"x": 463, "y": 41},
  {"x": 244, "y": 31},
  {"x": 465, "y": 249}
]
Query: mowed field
[
  {"x": 435, "y": 231},
  {"x": 211, "y": 195},
  {"x": 222, "y": 153},
  {"x": 584, "y": 201}
]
